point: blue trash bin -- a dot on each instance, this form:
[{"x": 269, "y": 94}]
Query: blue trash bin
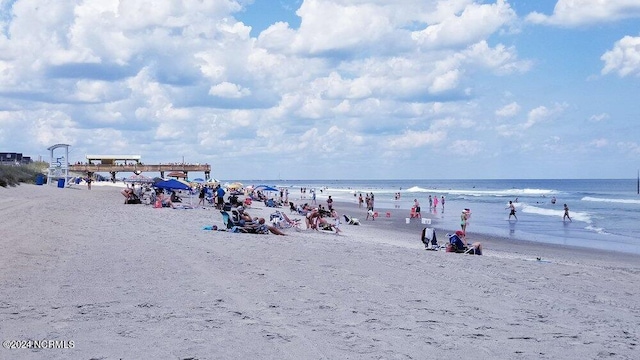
[
  {"x": 61, "y": 183},
  {"x": 39, "y": 179}
]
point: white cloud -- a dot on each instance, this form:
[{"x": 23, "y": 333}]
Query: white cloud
[
  {"x": 571, "y": 13},
  {"x": 543, "y": 113},
  {"x": 459, "y": 29},
  {"x": 229, "y": 90},
  {"x": 599, "y": 117},
  {"x": 509, "y": 110},
  {"x": 415, "y": 139},
  {"x": 599, "y": 143},
  {"x": 624, "y": 58},
  {"x": 629, "y": 147}
]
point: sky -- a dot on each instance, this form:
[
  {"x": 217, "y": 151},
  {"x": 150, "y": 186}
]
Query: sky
[{"x": 329, "y": 89}]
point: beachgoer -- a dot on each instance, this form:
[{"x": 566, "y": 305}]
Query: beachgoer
[
  {"x": 89, "y": 183},
  {"x": 329, "y": 202},
  {"x": 203, "y": 192},
  {"x": 220, "y": 195},
  {"x": 566, "y": 213},
  {"x": 464, "y": 220},
  {"x": 360, "y": 201},
  {"x": 463, "y": 246},
  {"x": 336, "y": 221},
  {"x": 416, "y": 205},
  {"x": 435, "y": 201},
  {"x": 127, "y": 193},
  {"x": 311, "y": 219},
  {"x": 512, "y": 211},
  {"x": 370, "y": 214},
  {"x": 430, "y": 202},
  {"x": 442, "y": 202},
  {"x": 261, "y": 228}
]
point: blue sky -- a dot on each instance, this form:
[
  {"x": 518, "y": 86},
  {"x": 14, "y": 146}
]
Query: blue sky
[{"x": 329, "y": 89}]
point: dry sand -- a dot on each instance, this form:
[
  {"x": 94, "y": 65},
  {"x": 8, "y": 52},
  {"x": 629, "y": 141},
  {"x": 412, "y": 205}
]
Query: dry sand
[{"x": 134, "y": 282}]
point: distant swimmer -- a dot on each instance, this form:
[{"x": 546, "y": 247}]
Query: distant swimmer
[
  {"x": 566, "y": 213},
  {"x": 512, "y": 209}
]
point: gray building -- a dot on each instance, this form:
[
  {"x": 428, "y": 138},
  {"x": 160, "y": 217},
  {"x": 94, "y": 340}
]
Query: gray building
[{"x": 11, "y": 158}]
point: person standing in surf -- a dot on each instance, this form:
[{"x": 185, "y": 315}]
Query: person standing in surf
[
  {"x": 566, "y": 213},
  {"x": 512, "y": 211}
]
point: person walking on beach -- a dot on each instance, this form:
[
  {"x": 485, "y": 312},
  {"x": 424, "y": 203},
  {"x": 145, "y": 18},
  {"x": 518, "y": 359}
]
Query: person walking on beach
[
  {"x": 360, "y": 201},
  {"x": 329, "y": 202},
  {"x": 442, "y": 202},
  {"x": 566, "y": 213},
  {"x": 203, "y": 191},
  {"x": 416, "y": 205},
  {"x": 430, "y": 202},
  {"x": 512, "y": 209}
]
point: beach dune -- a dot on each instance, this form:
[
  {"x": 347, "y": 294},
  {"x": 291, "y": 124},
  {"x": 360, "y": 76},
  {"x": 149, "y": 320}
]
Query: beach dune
[{"x": 133, "y": 282}]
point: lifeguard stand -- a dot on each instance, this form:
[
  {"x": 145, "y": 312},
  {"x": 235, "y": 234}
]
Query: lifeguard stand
[{"x": 58, "y": 165}]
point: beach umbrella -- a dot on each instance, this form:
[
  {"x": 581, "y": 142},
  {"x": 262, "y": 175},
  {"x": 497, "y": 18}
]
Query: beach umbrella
[
  {"x": 235, "y": 186},
  {"x": 213, "y": 182},
  {"x": 198, "y": 180},
  {"x": 265, "y": 188},
  {"x": 172, "y": 184}
]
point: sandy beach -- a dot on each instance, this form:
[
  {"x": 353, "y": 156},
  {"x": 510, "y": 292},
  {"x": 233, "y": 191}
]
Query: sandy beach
[{"x": 114, "y": 281}]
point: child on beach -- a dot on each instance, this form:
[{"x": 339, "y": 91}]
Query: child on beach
[{"x": 336, "y": 221}]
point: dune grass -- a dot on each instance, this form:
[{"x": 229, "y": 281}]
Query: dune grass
[{"x": 14, "y": 175}]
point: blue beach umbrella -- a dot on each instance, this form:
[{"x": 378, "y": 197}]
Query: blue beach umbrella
[{"x": 172, "y": 184}]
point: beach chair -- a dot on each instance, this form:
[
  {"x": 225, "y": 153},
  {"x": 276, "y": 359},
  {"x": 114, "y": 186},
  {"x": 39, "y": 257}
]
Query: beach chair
[
  {"x": 457, "y": 245},
  {"x": 228, "y": 220},
  {"x": 351, "y": 220}
]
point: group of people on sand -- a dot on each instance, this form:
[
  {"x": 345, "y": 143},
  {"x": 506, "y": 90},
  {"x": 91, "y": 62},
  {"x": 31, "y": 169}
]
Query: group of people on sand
[{"x": 316, "y": 219}]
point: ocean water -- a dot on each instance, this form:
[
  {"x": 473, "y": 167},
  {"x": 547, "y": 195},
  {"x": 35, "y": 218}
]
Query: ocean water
[{"x": 605, "y": 213}]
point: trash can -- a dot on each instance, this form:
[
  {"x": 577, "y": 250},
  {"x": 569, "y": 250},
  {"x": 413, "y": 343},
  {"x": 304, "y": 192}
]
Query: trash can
[
  {"x": 39, "y": 179},
  {"x": 61, "y": 183}
]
